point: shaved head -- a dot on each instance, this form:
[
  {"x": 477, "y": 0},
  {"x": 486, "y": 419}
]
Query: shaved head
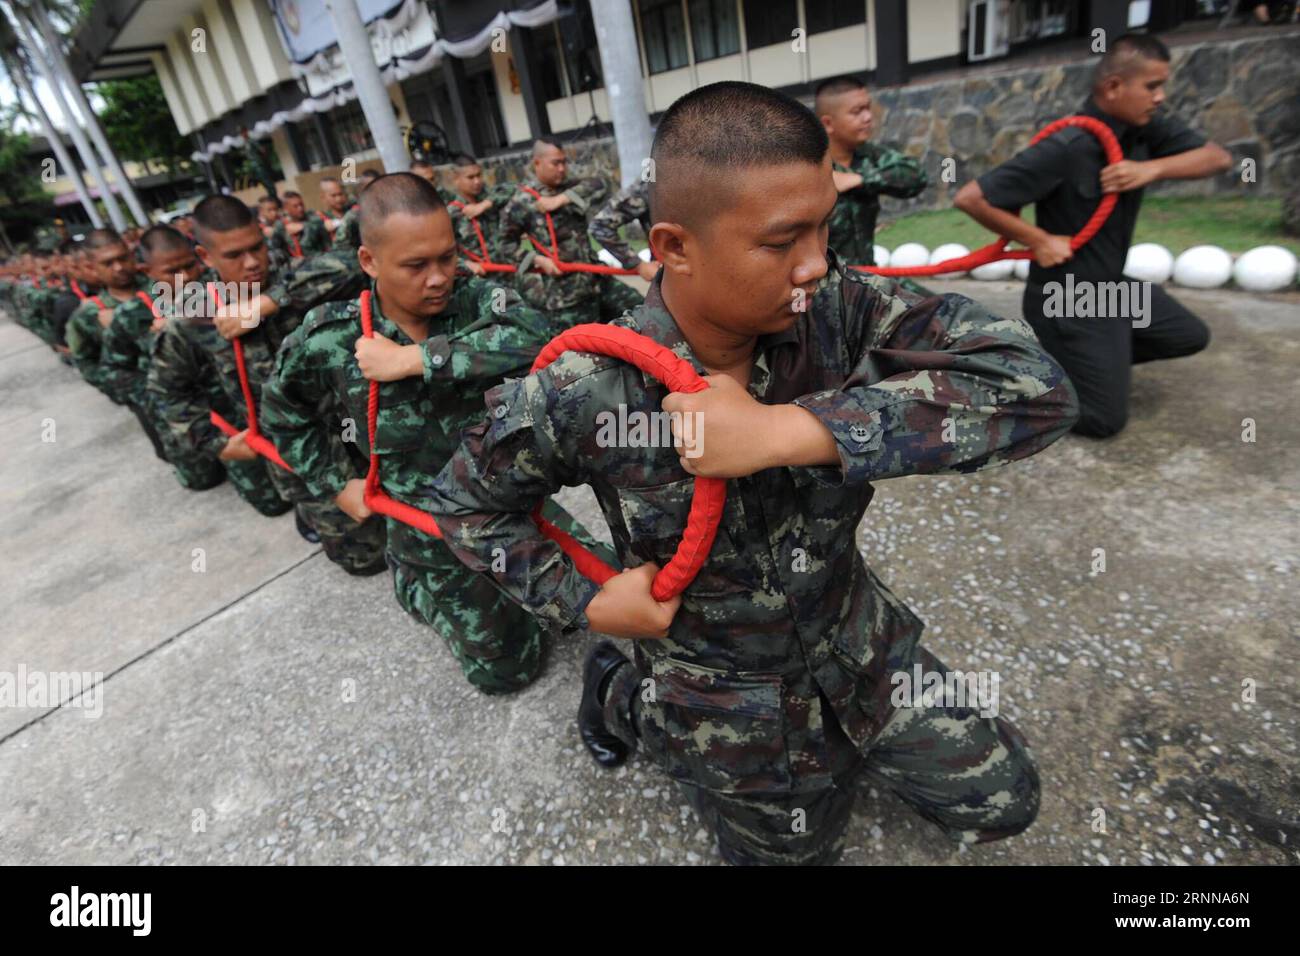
[
  {"x": 543, "y": 147},
  {"x": 395, "y": 193},
  {"x": 711, "y": 134},
  {"x": 828, "y": 90},
  {"x": 157, "y": 240},
  {"x": 1127, "y": 56}
]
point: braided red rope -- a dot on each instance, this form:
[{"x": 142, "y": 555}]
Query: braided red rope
[
  {"x": 252, "y": 437},
  {"x": 997, "y": 250},
  {"x": 484, "y": 260},
  {"x": 646, "y": 354}
]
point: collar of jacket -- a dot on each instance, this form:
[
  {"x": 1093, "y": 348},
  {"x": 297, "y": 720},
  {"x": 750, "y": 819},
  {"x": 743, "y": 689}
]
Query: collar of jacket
[
  {"x": 391, "y": 329},
  {"x": 654, "y": 321}
]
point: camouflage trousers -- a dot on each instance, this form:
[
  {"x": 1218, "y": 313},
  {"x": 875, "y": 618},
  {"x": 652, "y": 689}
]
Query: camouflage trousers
[
  {"x": 356, "y": 548},
  {"x": 500, "y": 647},
  {"x": 192, "y": 471},
  {"x": 252, "y": 482},
  {"x": 974, "y": 777}
]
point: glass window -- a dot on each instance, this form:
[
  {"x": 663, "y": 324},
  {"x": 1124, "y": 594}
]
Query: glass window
[
  {"x": 769, "y": 21},
  {"x": 550, "y": 75},
  {"x": 664, "y": 33},
  {"x": 823, "y": 15},
  {"x": 715, "y": 30},
  {"x": 351, "y": 131},
  {"x": 581, "y": 54}
]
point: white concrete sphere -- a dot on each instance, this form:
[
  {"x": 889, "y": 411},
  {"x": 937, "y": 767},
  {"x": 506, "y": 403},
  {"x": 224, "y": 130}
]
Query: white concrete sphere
[
  {"x": 1203, "y": 267},
  {"x": 994, "y": 271},
  {"x": 909, "y": 254},
  {"x": 1265, "y": 269},
  {"x": 881, "y": 255},
  {"x": 1149, "y": 262}
]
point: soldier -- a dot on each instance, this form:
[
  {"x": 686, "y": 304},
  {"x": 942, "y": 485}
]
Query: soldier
[
  {"x": 320, "y": 226},
  {"x": 567, "y": 298},
  {"x": 475, "y": 213},
  {"x": 260, "y": 308},
  {"x": 269, "y": 218},
  {"x": 348, "y": 235},
  {"x": 438, "y": 345},
  {"x": 294, "y": 216},
  {"x": 172, "y": 266},
  {"x": 767, "y": 691},
  {"x": 1066, "y": 176},
  {"x": 631, "y": 204},
  {"x": 119, "y": 281},
  {"x": 863, "y": 171}
]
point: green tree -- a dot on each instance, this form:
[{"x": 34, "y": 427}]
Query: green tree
[
  {"x": 19, "y": 178},
  {"x": 139, "y": 124}
]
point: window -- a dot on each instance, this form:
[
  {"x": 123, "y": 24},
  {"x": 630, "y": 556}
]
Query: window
[
  {"x": 769, "y": 21},
  {"x": 824, "y": 15},
  {"x": 715, "y": 30},
  {"x": 351, "y": 131},
  {"x": 548, "y": 67},
  {"x": 664, "y": 33},
  {"x": 581, "y": 54}
]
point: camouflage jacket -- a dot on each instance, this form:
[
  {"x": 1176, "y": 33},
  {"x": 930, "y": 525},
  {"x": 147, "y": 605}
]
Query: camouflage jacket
[
  {"x": 189, "y": 351},
  {"x": 784, "y": 609},
  {"x": 126, "y": 346},
  {"x": 521, "y": 218},
  {"x": 318, "y": 394},
  {"x": 315, "y": 236},
  {"x": 853, "y": 221},
  {"x": 488, "y": 222},
  {"x": 347, "y": 238},
  {"x": 86, "y": 342},
  {"x": 630, "y": 205}
]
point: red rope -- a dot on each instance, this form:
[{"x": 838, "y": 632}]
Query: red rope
[
  {"x": 252, "y": 437},
  {"x": 553, "y": 253},
  {"x": 646, "y": 354},
  {"x": 997, "y": 250},
  {"x": 484, "y": 260}
]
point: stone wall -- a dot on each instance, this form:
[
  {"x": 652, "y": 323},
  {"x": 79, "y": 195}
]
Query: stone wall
[{"x": 1243, "y": 94}]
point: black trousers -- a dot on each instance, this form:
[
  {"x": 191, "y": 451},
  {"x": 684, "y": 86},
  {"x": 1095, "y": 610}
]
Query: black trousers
[{"x": 1097, "y": 353}]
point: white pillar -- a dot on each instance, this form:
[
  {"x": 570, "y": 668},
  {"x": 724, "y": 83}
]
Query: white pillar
[
  {"x": 19, "y": 74},
  {"x": 88, "y": 158},
  {"x": 354, "y": 43},
  {"x": 60, "y": 65},
  {"x": 620, "y": 61}
]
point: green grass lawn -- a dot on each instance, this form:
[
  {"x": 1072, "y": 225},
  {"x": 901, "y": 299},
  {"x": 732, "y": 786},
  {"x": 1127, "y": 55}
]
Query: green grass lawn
[{"x": 1236, "y": 223}]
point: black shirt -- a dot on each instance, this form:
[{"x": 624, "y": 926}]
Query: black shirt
[{"x": 1061, "y": 176}]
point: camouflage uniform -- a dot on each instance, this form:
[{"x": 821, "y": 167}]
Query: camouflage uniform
[
  {"x": 280, "y": 243},
  {"x": 632, "y": 204},
  {"x": 127, "y": 345},
  {"x": 774, "y": 681},
  {"x": 853, "y": 220},
  {"x": 86, "y": 343},
  {"x": 575, "y": 297},
  {"x": 190, "y": 346},
  {"x": 489, "y": 222},
  {"x": 347, "y": 238},
  {"x": 318, "y": 391},
  {"x": 315, "y": 236}
]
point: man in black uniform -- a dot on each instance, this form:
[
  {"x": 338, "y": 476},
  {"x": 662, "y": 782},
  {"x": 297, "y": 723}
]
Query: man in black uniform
[{"x": 1066, "y": 176}]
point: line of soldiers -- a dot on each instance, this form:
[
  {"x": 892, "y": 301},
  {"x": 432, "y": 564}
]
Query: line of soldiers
[{"x": 763, "y": 689}]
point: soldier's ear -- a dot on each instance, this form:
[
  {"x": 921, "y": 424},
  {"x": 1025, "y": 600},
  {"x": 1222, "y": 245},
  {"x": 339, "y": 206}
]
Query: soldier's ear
[
  {"x": 367, "y": 260},
  {"x": 668, "y": 241}
]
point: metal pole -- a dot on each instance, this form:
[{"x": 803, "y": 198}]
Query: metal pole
[
  {"x": 620, "y": 61},
  {"x": 354, "y": 43},
  {"x": 42, "y": 20},
  {"x": 88, "y": 158},
  {"x": 19, "y": 74}
]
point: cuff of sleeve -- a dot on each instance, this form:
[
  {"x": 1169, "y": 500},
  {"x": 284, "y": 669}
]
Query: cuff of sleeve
[
  {"x": 566, "y": 612},
  {"x": 436, "y": 355},
  {"x": 858, "y": 431},
  {"x": 579, "y": 203}
]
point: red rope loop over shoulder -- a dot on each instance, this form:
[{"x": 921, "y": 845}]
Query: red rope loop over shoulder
[
  {"x": 622, "y": 343},
  {"x": 997, "y": 250}
]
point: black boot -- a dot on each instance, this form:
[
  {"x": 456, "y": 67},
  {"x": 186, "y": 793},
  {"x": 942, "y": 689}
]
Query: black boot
[
  {"x": 608, "y": 750},
  {"x": 304, "y": 529}
]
